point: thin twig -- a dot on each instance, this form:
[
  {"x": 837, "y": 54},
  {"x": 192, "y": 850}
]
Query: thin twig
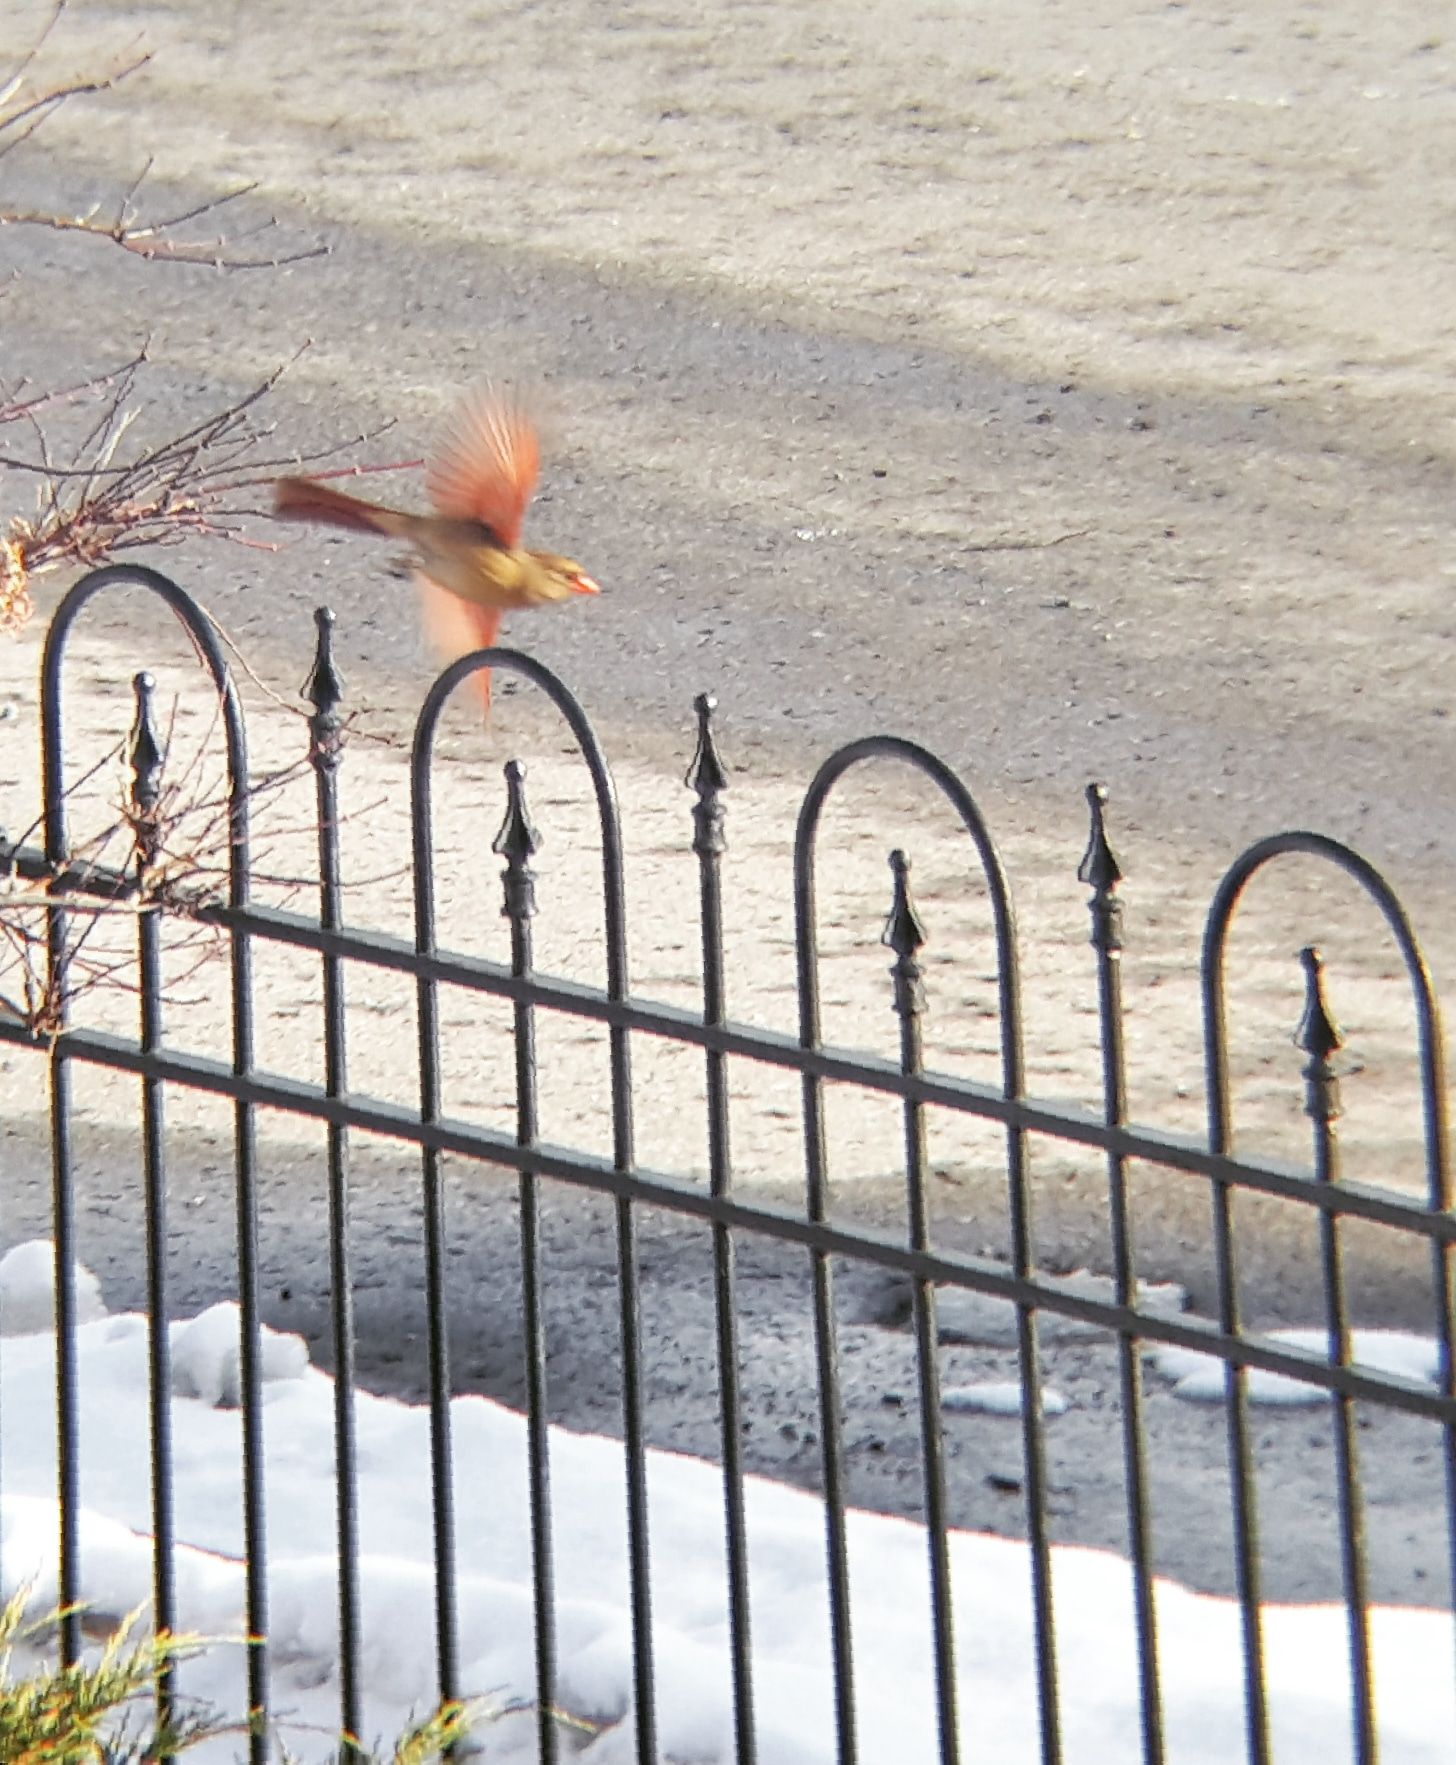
[
  {"x": 177, "y": 859},
  {"x": 19, "y": 407},
  {"x": 153, "y": 242},
  {"x": 26, "y": 102},
  {"x": 28, "y": 115}
]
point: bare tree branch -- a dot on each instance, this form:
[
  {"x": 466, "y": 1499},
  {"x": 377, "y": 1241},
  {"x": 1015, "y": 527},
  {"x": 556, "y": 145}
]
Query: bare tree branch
[
  {"x": 27, "y": 100},
  {"x": 101, "y": 495},
  {"x": 23, "y": 109},
  {"x": 154, "y": 241},
  {"x": 195, "y": 484},
  {"x": 172, "y": 854},
  {"x": 15, "y": 405}
]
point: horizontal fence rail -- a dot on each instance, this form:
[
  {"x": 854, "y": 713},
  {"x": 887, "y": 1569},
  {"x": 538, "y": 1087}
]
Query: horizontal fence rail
[{"x": 63, "y": 886}]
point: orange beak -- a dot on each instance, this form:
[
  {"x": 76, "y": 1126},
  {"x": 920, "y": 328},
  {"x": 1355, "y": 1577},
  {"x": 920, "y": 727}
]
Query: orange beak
[{"x": 584, "y": 585}]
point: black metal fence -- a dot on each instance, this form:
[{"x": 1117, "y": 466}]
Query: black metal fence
[{"x": 65, "y": 885}]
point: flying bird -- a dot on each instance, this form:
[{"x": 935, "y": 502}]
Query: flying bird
[{"x": 467, "y": 559}]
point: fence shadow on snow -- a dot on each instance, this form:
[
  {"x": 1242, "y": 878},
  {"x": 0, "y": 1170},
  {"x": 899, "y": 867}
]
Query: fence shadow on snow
[{"x": 61, "y": 885}]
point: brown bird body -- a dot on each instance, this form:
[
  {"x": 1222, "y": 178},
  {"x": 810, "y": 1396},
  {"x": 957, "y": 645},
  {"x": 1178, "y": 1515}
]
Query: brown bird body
[{"x": 468, "y": 564}]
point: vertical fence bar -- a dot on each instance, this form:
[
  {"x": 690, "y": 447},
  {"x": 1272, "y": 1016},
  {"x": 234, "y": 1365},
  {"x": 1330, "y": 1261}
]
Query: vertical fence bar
[
  {"x": 1439, "y": 1198},
  {"x": 437, "y": 1320},
  {"x": 1101, "y": 872},
  {"x": 826, "y": 1335},
  {"x": 250, "y": 1359},
  {"x": 628, "y": 1279},
  {"x": 1023, "y": 1257},
  {"x": 145, "y": 758},
  {"x": 905, "y": 935},
  {"x": 63, "y": 1221},
  {"x": 63, "y": 1218},
  {"x": 518, "y": 842},
  {"x": 1236, "y": 1402},
  {"x": 1319, "y": 1037},
  {"x": 708, "y": 778},
  {"x": 1443, "y": 1265},
  {"x": 1442, "y": 1272},
  {"x": 324, "y": 689}
]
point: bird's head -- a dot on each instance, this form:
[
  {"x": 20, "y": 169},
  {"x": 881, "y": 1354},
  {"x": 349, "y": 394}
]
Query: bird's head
[{"x": 557, "y": 578}]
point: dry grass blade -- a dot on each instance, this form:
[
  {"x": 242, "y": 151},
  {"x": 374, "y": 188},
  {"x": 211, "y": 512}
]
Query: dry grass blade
[
  {"x": 97, "y": 1708},
  {"x": 99, "y": 1711},
  {"x": 16, "y": 606}
]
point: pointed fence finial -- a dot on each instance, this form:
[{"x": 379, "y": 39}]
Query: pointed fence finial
[
  {"x": 324, "y": 690},
  {"x": 518, "y": 842},
  {"x": 144, "y": 756},
  {"x": 708, "y": 776},
  {"x": 1319, "y": 1037},
  {"x": 1102, "y": 873},
  {"x": 905, "y": 934}
]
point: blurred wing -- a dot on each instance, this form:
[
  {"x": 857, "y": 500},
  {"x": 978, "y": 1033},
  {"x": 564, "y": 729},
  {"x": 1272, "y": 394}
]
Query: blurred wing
[
  {"x": 485, "y": 469},
  {"x": 454, "y": 628}
]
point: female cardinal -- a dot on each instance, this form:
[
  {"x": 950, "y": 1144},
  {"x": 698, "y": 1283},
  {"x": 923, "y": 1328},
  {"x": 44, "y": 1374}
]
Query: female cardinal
[{"x": 468, "y": 563}]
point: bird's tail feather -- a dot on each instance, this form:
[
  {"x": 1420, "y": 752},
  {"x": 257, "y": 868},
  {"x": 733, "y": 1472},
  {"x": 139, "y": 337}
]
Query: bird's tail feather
[{"x": 305, "y": 499}]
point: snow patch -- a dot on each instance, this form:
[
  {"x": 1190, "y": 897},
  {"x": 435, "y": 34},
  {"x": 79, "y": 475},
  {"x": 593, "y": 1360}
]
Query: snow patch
[
  {"x": 1201, "y": 1378},
  {"x": 207, "y": 1356},
  {"x": 999, "y": 1397},
  {"x": 28, "y": 1290},
  {"x": 1201, "y": 1653}
]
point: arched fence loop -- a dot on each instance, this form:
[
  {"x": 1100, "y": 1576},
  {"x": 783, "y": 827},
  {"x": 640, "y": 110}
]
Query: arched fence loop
[
  {"x": 609, "y": 820},
  {"x": 1429, "y": 1040},
  {"x": 1318, "y": 1037},
  {"x": 953, "y": 788},
  {"x": 1029, "y": 1656},
  {"x": 205, "y": 640},
  {"x": 519, "y": 908}
]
